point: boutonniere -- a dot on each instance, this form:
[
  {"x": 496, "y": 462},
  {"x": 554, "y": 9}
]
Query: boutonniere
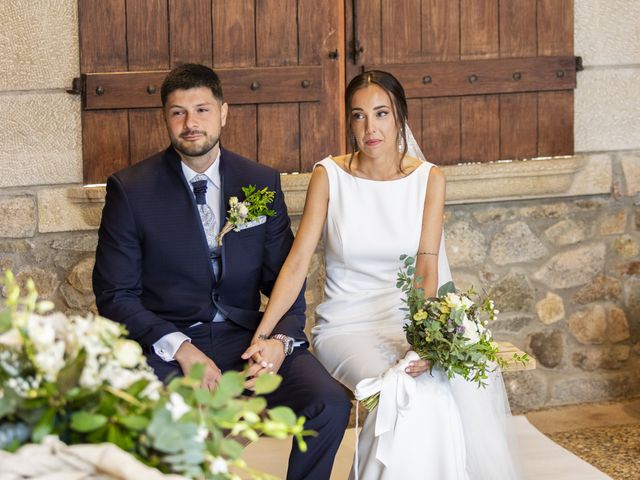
[{"x": 251, "y": 208}]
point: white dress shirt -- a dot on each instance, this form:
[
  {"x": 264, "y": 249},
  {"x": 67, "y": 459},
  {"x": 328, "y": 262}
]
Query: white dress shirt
[{"x": 168, "y": 345}]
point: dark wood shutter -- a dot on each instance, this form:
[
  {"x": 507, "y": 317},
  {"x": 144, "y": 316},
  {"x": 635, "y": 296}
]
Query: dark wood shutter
[
  {"x": 278, "y": 61},
  {"x": 486, "y": 79}
]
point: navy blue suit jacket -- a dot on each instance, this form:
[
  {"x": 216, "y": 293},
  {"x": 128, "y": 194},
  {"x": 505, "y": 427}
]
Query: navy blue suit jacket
[{"x": 152, "y": 270}]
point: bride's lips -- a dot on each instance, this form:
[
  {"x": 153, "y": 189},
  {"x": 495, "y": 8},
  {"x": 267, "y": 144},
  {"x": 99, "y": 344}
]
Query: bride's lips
[{"x": 372, "y": 142}]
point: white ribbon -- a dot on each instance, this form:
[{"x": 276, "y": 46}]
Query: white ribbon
[{"x": 396, "y": 389}]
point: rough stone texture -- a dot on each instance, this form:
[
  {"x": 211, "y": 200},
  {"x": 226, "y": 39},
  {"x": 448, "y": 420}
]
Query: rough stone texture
[
  {"x": 611, "y": 358},
  {"x": 550, "y": 309},
  {"x": 80, "y": 276},
  {"x": 626, "y": 246},
  {"x": 46, "y": 281},
  {"x": 606, "y": 31},
  {"x": 516, "y": 244},
  {"x": 590, "y": 204},
  {"x": 15, "y": 246},
  {"x": 74, "y": 299},
  {"x": 631, "y": 169},
  {"x": 589, "y": 325},
  {"x": 58, "y": 214},
  {"x": 589, "y": 388},
  {"x": 513, "y": 293},
  {"x": 494, "y": 215},
  {"x": 41, "y": 142},
  {"x": 637, "y": 218},
  {"x": 631, "y": 295},
  {"x": 552, "y": 210},
  {"x": 466, "y": 246},
  {"x": 631, "y": 268},
  {"x": 617, "y": 324},
  {"x": 17, "y": 216},
  {"x": 601, "y": 287},
  {"x": 548, "y": 348},
  {"x": 607, "y": 106},
  {"x": 527, "y": 390},
  {"x": 510, "y": 324},
  {"x": 464, "y": 281},
  {"x": 77, "y": 243},
  {"x": 613, "y": 223},
  {"x": 33, "y": 29},
  {"x": 572, "y": 268},
  {"x": 566, "y": 232}
]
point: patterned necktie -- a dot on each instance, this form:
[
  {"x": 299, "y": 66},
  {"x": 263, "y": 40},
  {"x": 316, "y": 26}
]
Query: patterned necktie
[{"x": 208, "y": 219}]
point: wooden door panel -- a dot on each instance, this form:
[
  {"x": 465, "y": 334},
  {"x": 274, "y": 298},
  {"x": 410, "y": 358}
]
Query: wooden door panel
[
  {"x": 441, "y": 130},
  {"x": 480, "y": 128},
  {"x": 241, "y": 132},
  {"x": 147, "y": 133},
  {"x": 109, "y": 150},
  {"x": 147, "y": 35},
  {"x": 279, "y": 136},
  {"x": 103, "y": 35},
  {"x": 478, "y": 29},
  {"x": 191, "y": 36}
]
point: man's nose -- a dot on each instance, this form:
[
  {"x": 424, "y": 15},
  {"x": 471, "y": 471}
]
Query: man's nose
[{"x": 189, "y": 121}]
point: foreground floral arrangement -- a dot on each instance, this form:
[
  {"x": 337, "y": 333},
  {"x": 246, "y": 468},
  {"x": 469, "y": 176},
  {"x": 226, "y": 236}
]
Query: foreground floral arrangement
[
  {"x": 79, "y": 378},
  {"x": 450, "y": 331}
]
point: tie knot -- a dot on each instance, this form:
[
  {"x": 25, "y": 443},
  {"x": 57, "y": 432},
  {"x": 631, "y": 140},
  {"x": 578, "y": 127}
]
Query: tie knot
[{"x": 199, "y": 184}]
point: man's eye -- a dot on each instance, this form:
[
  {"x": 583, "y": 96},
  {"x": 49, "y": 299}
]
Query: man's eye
[
  {"x": 203, "y": 110},
  {"x": 176, "y": 113}
]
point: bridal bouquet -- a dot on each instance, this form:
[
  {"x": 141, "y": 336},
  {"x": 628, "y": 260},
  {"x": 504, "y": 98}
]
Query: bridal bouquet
[
  {"x": 450, "y": 331},
  {"x": 252, "y": 209},
  {"x": 79, "y": 378}
]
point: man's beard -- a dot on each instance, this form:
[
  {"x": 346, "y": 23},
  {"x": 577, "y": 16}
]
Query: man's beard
[{"x": 195, "y": 150}]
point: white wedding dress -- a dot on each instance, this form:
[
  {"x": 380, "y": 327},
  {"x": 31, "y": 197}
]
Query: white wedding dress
[{"x": 427, "y": 428}]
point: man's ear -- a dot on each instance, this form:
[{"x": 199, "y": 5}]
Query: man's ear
[{"x": 224, "y": 110}]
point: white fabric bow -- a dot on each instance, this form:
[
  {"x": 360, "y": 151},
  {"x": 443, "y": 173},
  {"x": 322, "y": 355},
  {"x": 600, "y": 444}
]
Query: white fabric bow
[{"x": 396, "y": 389}]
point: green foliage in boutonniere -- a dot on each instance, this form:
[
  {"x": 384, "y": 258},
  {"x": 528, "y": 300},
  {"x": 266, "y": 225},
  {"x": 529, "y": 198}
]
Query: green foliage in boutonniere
[{"x": 255, "y": 205}]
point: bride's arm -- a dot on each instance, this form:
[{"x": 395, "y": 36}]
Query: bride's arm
[
  {"x": 295, "y": 268},
  {"x": 432, "y": 219}
]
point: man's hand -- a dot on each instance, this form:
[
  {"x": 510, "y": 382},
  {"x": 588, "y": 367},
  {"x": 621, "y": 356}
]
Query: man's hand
[
  {"x": 188, "y": 355},
  {"x": 265, "y": 356}
]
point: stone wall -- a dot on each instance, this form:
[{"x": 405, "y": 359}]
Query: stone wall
[{"x": 557, "y": 245}]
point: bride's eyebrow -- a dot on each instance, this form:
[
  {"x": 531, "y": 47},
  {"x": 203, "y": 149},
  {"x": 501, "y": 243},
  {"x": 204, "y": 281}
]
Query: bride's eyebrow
[{"x": 360, "y": 109}]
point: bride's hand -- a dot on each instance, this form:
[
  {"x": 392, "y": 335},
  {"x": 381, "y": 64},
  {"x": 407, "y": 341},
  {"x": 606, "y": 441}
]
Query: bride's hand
[
  {"x": 417, "y": 367},
  {"x": 265, "y": 356}
]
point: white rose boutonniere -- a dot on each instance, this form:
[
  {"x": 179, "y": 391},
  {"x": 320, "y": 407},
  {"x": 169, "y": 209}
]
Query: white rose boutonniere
[{"x": 254, "y": 205}]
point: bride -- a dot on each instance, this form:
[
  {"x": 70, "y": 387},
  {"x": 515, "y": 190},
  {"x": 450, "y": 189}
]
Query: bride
[{"x": 371, "y": 206}]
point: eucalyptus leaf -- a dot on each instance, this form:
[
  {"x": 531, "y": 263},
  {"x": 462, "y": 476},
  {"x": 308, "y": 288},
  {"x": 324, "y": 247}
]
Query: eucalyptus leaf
[
  {"x": 134, "y": 422},
  {"x": 44, "y": 426},
  {"x": 69, "y": 375},
  {"x": 5, "y": 321},
  {"x": 448, "y": 287},
  {"x": 231, "y": 383},
  {"x": 282, "y": 414},
  {"x": 231, "y": 448},
  {"x": 267, "y": 383},
  {"x": 87, "y": 422}
]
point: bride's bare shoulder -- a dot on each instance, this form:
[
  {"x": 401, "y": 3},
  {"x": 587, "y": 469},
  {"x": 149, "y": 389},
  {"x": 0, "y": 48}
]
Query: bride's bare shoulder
[{"x": 342, "y": 161}]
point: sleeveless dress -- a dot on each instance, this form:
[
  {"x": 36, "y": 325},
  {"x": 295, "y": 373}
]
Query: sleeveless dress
[{"x": 430, "y": 428}]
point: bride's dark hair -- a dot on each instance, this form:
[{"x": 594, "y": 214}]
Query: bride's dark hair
[{"x": 392, "y": 86}]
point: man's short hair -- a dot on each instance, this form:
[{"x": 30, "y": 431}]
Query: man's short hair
[{"x": 190, "y": 75}]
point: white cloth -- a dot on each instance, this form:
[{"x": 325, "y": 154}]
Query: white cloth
[{"x": 434, "y": 432}]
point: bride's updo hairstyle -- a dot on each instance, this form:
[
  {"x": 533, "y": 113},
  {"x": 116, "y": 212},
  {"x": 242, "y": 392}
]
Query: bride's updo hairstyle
[{"x": 389, "y": 84}]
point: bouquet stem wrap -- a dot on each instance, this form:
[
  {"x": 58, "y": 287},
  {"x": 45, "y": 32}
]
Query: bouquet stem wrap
[{"x": 396, "y": 389}]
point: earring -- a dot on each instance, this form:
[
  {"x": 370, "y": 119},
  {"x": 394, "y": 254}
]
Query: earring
[{"x": 400, "y": 142}]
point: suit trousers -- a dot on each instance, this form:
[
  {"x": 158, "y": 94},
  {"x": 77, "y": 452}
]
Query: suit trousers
[{"x": 307, "y": 388}]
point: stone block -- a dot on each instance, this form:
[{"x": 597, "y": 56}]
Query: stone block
[
  {"x": 552, "y": 210},
  {"x": 516, "y": 244},
  {"x": 76, "y": 243},
  {"x": 466, "y": 246},
  {"x": 41, "y": 143},
  {"x": 513, "y": 293},
  {"x": 547, "y": 348},
  {"x": 566, "y": 232},
  {"x": 606, "y": 31},
  {"x": 572, "y": 268},
  {"x": 617, "y": 324},
  {"x": 631, "y": 268},
  {"x": 80, "y": 276},
  {"x": 610, "y": 358},
  {"x": 76, "y": 300},
  {"x": 526, "y": 390},
  {"x": 606, "y": 106},
  {"x": 631, "y": 296},
  {"x": 46, "y": 281},
  {"x": 58, "y": 214},
  {"x": 626, "y": 246},
  {"x": 17, "y": 216},
  {"x": 15, "y": 246},
  {"x": 510, "y": 324},
  {"x": 601, "y": 287},
  {"x": 631, "y": 170},
  {"x": 591, "y": 388},
  {"x": 613, "y": 223},
  {"x": 550, "y": 309},
  {"x": 494, "y": 215},
  {"x": 40, "y": 45},
  {"x": 589, "y": 325}
]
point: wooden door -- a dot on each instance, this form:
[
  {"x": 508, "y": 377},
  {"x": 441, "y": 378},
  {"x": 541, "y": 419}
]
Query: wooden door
[
  {"x": 486, "y": 79},
  {"x": 280, "y": 62}
]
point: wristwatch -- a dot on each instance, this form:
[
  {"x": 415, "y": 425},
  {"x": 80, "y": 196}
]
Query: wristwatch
[{"x": 287, "y": 342}]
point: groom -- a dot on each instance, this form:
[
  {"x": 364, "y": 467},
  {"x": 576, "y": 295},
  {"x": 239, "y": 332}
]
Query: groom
[{"x": 186, "y": 300}]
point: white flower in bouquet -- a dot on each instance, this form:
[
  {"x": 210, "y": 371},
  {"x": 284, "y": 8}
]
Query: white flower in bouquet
[
  {"x": 12, "y": 338},
  {"x": 128, "y": 353},
  {"x": 177, "y": 406},
  {"x": 50, "y": 361},
  {"x": 218, "y": 465},
  {"x": 40, "y": 331}
]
